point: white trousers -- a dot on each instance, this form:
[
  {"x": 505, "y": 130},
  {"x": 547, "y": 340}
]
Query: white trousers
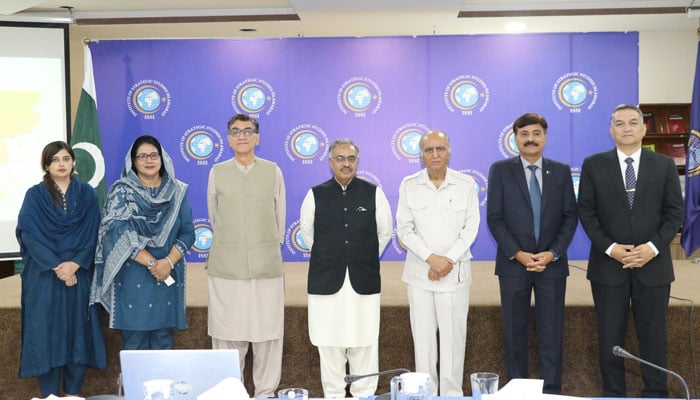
[
  {"x": 444, "y": 313},
  {"x": 362, "y": 360},
  {"x": 267, "y": 363}
]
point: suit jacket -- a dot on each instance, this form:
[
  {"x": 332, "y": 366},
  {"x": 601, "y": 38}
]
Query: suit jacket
[
  {"x": 656, "y": 215},
  {"x": 510, "y": 219}
]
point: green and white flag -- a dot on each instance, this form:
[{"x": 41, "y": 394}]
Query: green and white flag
[{"x": 86, "y": 140}]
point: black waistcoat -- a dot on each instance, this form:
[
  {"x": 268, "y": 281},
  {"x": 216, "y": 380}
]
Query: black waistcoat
[{"x": 345, "y": 234}]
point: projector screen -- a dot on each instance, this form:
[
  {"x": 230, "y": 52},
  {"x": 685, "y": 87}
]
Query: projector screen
[{"x": 33, "y": 112}]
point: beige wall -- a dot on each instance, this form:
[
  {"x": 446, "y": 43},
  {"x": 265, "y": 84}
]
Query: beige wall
[
  {"x": 666, "y": 59},
  {"x": 667, "y": 66}
]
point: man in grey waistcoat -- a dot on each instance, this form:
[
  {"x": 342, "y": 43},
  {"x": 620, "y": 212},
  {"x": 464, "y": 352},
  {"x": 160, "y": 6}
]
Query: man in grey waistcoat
[{"x": 246, "y": 205}]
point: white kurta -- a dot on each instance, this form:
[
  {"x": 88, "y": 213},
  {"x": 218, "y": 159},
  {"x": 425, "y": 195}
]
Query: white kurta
[
  {"x": 345, "y": 318},
  {"x": 246, "y": 310}
]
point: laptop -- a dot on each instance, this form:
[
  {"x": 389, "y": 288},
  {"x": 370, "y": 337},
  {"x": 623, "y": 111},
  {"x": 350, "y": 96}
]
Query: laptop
[{"x": 175, "y": 374}]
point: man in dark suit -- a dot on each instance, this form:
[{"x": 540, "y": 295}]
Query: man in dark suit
[
  {"x": 631, "y": 207},
  {"x": 532, "y": 216}
]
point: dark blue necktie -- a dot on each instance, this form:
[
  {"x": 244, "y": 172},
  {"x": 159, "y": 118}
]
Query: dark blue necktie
[
  {"x": 535, "y": 199},
  {"x": 630, "y": 180}
]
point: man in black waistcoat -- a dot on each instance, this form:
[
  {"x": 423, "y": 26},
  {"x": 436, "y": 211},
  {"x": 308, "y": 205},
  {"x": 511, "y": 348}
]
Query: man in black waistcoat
[{"x": 347, "y": 223}]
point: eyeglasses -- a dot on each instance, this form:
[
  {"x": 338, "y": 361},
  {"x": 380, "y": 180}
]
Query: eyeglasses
[
  {"x": 342, "y": 159},
  {"x": 431, "y": 150},
  {"x": 238, "y": 132},
  {"x": 143, "y": 156}
]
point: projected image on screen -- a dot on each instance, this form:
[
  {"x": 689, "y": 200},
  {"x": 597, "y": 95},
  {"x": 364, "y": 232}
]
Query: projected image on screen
[{"x": 33, "y": 113}]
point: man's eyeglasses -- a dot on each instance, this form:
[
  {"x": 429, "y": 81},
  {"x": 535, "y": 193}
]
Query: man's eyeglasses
[
  {"x": 342, "y": 159},
  {"x": 238, "y": 132},
  {"x": 143, "y": 156},
  {"x": 431, "y": 150}
]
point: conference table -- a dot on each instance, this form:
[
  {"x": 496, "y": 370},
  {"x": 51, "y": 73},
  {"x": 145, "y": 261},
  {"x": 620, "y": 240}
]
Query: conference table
[{"x": 543, "y": 397}]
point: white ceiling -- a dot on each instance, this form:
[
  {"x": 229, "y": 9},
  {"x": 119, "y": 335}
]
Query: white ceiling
[{"x": 286, "y": 18}]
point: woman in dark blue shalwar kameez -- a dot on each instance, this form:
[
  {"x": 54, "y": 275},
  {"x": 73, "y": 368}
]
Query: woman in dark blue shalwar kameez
[
  {"x": 57, "y": 233},
  {"x": 145, "y": 233}
]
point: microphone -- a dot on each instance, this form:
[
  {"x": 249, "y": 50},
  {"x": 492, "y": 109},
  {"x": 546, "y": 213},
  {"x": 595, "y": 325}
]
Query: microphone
[
  {"x": 620, "y": 352},
  {"x": 353, "y": 378}
]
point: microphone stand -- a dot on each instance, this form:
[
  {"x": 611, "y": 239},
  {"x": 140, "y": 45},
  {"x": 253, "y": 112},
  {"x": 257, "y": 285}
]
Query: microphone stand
[{"x": 620, "y": 352}]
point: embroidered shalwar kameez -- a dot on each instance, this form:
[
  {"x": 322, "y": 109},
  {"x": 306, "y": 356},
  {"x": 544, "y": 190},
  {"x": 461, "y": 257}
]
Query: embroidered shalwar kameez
[{"x": 137, "y": 217}]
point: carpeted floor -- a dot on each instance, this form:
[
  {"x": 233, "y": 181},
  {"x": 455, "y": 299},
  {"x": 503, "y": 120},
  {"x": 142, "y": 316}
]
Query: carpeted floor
[{"x": 484, "y": 341}]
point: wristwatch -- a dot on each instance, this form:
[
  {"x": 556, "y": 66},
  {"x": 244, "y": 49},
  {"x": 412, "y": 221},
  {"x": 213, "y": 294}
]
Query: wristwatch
[
  {"x": 151, "y": 262},
  {"x": 555, "y": 254}
]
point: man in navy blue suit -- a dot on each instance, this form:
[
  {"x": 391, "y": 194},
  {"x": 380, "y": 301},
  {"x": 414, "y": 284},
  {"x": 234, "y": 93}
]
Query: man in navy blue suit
[
  {"x": 631, "y": 208},
  {"x": 532, "y": 216}
]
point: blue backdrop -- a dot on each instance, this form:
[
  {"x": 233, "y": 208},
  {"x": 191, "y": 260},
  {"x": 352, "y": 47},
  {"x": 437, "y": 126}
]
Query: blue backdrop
[{"x": 381, "y": 92}]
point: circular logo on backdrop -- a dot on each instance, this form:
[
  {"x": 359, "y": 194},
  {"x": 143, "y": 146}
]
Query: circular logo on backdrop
[
  {"x": 148, "y": 98},
  {"x": 480, "y": 183},
  {"x": 294, "y": 242},
  {"x": 506, "y": 142},
  {"x": 201, "y": 145},
  {"x": 306, "y": 142},
  {"x": 203, "y": 235},
  {"x": 253, "y": 96},
  {"x": 575, "y": 91},
  {"x": 466, "y": 94},
  {"x": 358, "y": 96},
  {"x": 575, "y": 179},
  {"x": 405, "y": 142},
  {"x": 397, "y": 244},
  {"x": 693, "y": 164},
  {"x": 369, "y": 177}
]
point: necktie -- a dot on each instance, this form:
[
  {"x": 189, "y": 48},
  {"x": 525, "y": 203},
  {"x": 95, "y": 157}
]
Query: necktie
[
  {"x": 630, "y": 180},
  {"x": 535, "y": 199}
]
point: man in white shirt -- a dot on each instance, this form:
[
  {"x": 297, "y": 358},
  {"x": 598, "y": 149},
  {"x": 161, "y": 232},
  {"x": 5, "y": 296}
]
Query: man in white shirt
[{"x": 437, "y": 220}]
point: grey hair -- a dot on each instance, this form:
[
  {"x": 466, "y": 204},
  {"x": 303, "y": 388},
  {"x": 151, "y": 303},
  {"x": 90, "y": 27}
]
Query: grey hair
[
  {"x": 339, "y": 142},
  {"x": 626, "y": 107}
]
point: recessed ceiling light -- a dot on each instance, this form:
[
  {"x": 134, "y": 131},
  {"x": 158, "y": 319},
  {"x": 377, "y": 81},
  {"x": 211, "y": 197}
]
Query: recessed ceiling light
[{"x": 515, "y": 27}]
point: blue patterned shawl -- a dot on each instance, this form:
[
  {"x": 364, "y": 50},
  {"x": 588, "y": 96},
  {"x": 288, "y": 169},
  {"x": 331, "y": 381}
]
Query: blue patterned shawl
[{"x": 133, "y": 219}]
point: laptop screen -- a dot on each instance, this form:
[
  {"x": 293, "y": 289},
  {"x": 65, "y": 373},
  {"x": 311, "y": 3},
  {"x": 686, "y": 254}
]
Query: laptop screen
[{"x": 175, "y": 374}]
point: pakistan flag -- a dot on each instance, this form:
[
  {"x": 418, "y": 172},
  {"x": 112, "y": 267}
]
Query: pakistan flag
[{"x": 85, "y": 140}]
